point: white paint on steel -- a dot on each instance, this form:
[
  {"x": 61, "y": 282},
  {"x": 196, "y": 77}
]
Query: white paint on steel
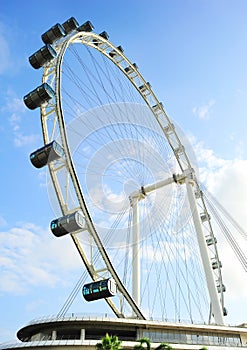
[
  {"x": 216, "y": 306},
  {"x": 136, "y": 253},
  {"x": 52, "y": 75}
]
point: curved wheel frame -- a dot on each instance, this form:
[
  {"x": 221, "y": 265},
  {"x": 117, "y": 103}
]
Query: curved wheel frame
[{"x": 52, "y": 118}]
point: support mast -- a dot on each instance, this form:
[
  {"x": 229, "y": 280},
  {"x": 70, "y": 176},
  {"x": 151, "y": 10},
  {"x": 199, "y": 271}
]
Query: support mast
[{"x": 216, "y": 306}]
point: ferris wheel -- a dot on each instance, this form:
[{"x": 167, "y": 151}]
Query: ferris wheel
[{"x": 125, "y": 182}]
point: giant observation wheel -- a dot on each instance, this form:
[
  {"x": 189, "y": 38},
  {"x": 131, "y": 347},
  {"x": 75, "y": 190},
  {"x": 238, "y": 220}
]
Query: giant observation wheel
[{"x": 125, "y": 181}]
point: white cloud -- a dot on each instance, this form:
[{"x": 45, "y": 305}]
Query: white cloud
[
  {"x": 15, "y": 108},
  {"x": 105, "y": 200},
  {"x": 242, "y": 92},
  {"x": 31, "y": 256},
  {"x": 170, "y": 250},
  {"x": 240, "y": 149},
  {"x": 3, "y": 222},
  {"x": 14, "y": 105},
  {"x": 5, "y": 56},
  {"x": 21, "y": 140},
  {"x": 226, "y": 180},
  {"x": 42, "y": 175},
  {"x": 203, "y": 112}
]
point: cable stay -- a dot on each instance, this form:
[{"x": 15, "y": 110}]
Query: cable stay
[
  {"x": 226, "y": 213},
  {"x": 215, "y": 208},
  {"x": 78, "y": 287},
  {"x": 72, "y": 295}
]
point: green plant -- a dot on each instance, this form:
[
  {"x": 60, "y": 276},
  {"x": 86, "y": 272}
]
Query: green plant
[
  {"x": 109, "y": 342},
  {"x": 141, "y": 346}
]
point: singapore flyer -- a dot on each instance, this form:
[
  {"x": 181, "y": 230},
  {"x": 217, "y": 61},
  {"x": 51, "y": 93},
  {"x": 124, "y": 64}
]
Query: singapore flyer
[{"x": 123, "y": 182}]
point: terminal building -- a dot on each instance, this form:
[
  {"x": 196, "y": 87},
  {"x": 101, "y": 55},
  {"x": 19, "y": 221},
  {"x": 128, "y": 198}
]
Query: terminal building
[{"x": 72, "y": 332}]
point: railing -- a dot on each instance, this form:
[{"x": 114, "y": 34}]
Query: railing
[{"x": 102, "y": 316}]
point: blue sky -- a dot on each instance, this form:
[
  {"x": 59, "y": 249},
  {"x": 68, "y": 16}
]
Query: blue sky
[{"x": 194, "y": 54}]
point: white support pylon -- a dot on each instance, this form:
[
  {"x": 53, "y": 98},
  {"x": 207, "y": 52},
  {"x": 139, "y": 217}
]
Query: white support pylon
[
  {"x": 136, "y": 253},
  {"x": 135, "y": 197},
  {"x": 216, "y": 306}
]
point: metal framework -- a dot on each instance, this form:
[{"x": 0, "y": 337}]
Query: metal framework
[{"x": 52, "y": 119}]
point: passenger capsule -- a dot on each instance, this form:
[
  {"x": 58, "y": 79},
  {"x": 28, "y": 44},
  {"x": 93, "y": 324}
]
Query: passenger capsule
[
  {"x": 225, "y": 312},
  {"x": 54, "y": 33},
  {"x": 216, "y": 264},
  {"x": 41, "y": 94},
  {"x": 158, "y": 107},
  {"x": 205, "y": 217},
  {"x": 99, "y": 289},
  {"x": 103, "y": 35},
  {"x": 130, "y": 69},
  {"x": 68, "y": 224},
  {"x": 85, "y": 27},
  {"x": 42, "y": 56},
  {"x": 211, "y": 240},
  {"x": 46, "y": 154},
  {"x": 114, "y": 53},
  {"x": 145, "y": 87},
  {"x": 70, "y": 25}
]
